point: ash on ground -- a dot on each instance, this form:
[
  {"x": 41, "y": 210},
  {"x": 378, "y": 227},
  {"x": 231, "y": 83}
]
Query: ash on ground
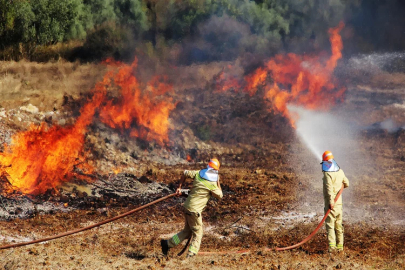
[{"x": 119, "y": 190}]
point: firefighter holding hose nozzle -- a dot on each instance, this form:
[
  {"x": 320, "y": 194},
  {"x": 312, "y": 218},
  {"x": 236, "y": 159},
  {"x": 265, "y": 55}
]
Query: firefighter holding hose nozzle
[
  {"x": 205, "y": 184},
  {"x": 333, "y": 178}
]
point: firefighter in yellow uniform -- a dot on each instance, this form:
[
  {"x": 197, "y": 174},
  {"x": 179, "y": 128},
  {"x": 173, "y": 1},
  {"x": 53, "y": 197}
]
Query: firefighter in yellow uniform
[
  {"x": 333, "y": 178},
  {"x": 205, "y": 184}
]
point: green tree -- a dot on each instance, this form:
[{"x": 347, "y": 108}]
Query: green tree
[
  {"x": 127, "y": 13},
  {"x": 7, "y": 16},
  {"x": 268, "y": 18},
  {"x": 101, "y": 11},
  {"x": 42, "y": 21},
  {"x": 109, "y": 40},
  {"x": 15, "y": 20},
  {"x": 313, "y": 18},
  {"x": 81, "y": 23},
  {"x": 117, "y": 25},
  {"x": 56, "y": 21},
  {"x": 132, "y": 13},
  {"x": 181, "y": 17}
]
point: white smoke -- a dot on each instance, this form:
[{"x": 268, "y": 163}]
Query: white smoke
[{"x": 388, "y": 124}]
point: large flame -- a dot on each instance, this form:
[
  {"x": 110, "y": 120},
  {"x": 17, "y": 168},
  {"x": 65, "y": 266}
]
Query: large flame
[
  {"x": 143, "y": 109},
  {"x": 43, "y": 157},
  {"x": 294, "y": 79},
  {"x": 254, "y": 80},
  {"x": 304, "y": 80}
]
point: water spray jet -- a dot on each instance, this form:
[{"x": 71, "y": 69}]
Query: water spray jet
[{"x": 321, "y": 131}]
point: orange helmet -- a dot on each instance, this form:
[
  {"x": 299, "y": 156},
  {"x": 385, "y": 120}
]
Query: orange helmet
[
  {"x": 327, "y": 155},
  {"x": 214, "y": 163}
]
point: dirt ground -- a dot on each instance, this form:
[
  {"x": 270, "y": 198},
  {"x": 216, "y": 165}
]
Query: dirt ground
[{"x": 271, "y": 182}]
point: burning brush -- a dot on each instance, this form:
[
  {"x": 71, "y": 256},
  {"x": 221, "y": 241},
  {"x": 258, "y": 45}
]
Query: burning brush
[
  {"x": 44, "y": 157},
  {"x": 300, "y": 80}
]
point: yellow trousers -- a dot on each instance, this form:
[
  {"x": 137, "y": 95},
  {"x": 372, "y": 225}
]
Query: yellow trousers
[
  {"x": 192, "y": 227},
  {"x": 334, "y": 228}
]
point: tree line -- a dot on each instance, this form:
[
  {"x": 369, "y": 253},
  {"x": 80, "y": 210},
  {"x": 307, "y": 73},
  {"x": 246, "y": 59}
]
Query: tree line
[{"x": 115, "y": 27}]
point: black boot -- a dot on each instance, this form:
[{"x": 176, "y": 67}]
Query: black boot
[{"x": 165, "y": 246}]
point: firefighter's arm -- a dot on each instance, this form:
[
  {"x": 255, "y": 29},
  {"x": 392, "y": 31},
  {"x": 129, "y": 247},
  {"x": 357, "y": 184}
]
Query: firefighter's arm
[
  {"x": 182, "y": 181},
  {"x": 329, "y": 190},
  {"x": 345, "y": 182},
  {"x": 217, "y": 193}
]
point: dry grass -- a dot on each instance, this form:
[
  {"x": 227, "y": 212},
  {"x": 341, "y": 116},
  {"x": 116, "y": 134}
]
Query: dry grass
[{"x": 44, "y": 84}]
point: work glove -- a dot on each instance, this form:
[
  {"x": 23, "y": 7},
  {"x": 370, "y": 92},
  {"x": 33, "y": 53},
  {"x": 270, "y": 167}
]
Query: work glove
[{"x": 178, "y": 191}]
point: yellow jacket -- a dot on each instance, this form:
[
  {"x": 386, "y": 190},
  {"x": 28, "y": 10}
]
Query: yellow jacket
[
  {"x": 201, "y": 192},
  {"x": 332, "y": 182}
]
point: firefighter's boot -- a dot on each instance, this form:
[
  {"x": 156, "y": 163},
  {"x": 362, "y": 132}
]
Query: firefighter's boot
[{"x": 165, "y": 246}]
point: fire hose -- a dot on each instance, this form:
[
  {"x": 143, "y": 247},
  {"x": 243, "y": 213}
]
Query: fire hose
[
  {"x": 88, "y": 227},
  {"x": 316, "y": 229},
  {"x": 277, "y": 249},
  {"x": 284, "y": 248},
  {"x": 154, "y": 202}
]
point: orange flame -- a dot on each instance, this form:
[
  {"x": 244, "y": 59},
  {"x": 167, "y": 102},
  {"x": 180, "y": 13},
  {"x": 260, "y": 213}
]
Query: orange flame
[
  {"x": 225, "y": 82},
  {"x": 256, "y": 79},
  {"x": 44, "y": 157},
  {"x": 303, "y": 80},
  {"x": 228, "y": 79},
  {"x": 188, "y": 158},
  {"x": 141, "y": 109}
]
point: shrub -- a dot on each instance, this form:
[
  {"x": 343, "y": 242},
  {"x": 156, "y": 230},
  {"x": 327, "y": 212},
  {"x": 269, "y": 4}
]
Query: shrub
[
  {"x": 203, "y": 132},
  {"x": 109, "y": 40}
]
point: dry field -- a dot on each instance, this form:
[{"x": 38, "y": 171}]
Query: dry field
[{"x": 271, "y": 181}]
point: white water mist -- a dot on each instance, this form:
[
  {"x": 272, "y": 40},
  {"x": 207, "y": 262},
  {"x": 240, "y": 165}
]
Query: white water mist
[
  {"x": 321, "y": 131},
  {"x": 369, "y": 62}
]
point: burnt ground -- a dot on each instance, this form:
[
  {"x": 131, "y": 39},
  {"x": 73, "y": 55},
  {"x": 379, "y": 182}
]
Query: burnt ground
[{"x": 271, "y": 182}]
